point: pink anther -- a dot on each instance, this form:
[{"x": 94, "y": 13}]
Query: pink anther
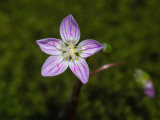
[
  {"x": 72, "y": 34},
  {"x": 88, "y": 47},
  {"x": 76, "y": 68},
  {"x": 58, "y": 65},
  {"x": 54, "y": 44}
]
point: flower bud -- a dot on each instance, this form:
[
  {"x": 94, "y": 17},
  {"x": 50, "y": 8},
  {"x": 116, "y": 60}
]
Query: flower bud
[
  {"x": 144, "y": 81},
  {"x": 107, "y": 48}
]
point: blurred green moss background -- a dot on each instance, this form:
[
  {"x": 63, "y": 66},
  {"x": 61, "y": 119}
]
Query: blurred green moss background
[{"x": 132, "y": 27}]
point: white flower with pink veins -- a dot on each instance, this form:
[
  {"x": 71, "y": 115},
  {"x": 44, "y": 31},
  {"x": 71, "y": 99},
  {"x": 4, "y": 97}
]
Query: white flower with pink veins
[{"x": 65, "y": 53}]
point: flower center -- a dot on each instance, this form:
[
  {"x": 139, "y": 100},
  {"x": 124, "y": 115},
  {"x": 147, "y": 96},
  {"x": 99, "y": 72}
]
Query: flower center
[{"x": 72, "y": 50}]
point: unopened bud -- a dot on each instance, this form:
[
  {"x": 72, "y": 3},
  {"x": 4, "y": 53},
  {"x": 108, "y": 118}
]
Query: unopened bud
[
  {"x": 107, "y": 48},
  {"x": 144, "y": 81}
]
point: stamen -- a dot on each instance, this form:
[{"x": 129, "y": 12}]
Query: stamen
[
  {"x": 64, "y": 48},
  {"x": 78, "y": 49},
  {"x": 76, "y": 58},
  {"x": 64, "y": 55},
  {"x": 73, "y": 42},
  {"x": 73, "y": 57},
  {"x": 71, "y": 49},
  {"x": 70, "y": 52}
]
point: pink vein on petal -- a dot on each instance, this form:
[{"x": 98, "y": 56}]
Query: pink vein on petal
[
  {"x": 80, "y": 72},
  {"x": 49, "y": 63},
  {"x": 84, "y": 69},
  {"x": 58, "y": 68},
  {"x": 65, "y": 37},
  {"x": 50, "y": 70},
  {"x": 70, "y": 26},
  {"x": 75, "y": 31},
  {"x": 65, "y": 31}
]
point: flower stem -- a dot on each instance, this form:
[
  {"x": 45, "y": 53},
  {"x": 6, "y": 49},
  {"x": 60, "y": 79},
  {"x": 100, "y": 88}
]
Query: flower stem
[
  {"x": 78, "y": 85},
  {"x": 106, "y": 66},
  {"x": 75, "y": 98}
]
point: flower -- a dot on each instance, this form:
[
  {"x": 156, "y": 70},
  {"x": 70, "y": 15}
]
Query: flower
[
  {"x": 144, "y": 81},
  {"x": 149, "y": 89},
  {"x": 65, "y": 53}
]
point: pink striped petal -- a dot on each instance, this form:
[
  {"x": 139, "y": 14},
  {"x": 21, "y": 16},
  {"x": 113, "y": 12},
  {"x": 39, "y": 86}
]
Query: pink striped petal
[
  {"x": 69, "y": 30},
  {"x": 89, "y": 47},
  {"x": 51, "y": 46},
  {"x": 80, "y": 69},
  {"x": 54, "y": 65}
]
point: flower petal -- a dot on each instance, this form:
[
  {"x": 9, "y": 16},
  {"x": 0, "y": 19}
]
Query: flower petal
[
  {"x": 80, "y": 69},
  {"x": 51, "y": 46},
  {"x": 54, "y": 65},
  {"x": 149, "y": 89},
  {"x": 69, "y": 30},
  {"x": 89, "y": 47}
]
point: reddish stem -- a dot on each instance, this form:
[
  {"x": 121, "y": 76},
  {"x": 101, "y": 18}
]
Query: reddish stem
[
  {"x": 75, "y": 98},
  {"x": 78, "y": 85},
  {"x": 109, "y": 66}
]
